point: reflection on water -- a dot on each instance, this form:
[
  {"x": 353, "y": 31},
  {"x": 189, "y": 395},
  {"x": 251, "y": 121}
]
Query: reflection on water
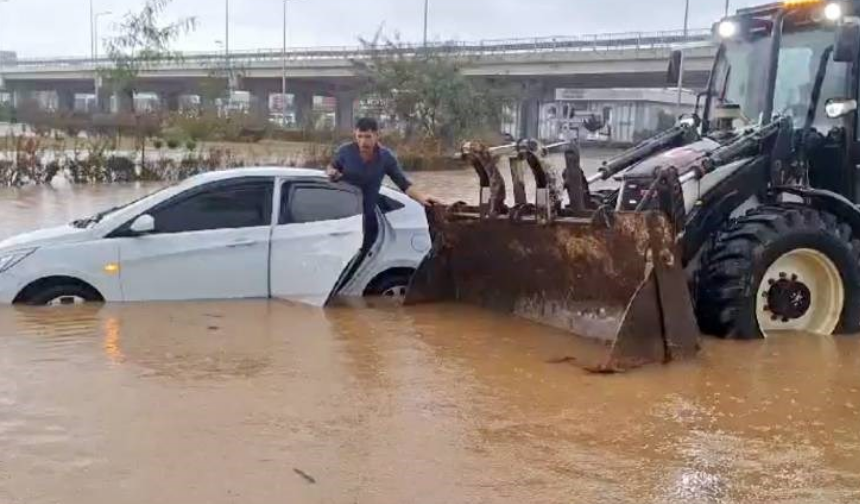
[{"x": 273, "y": 402}]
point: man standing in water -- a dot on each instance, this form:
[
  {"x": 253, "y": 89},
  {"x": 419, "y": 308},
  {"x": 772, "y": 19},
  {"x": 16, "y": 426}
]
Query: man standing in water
[{"x": 364, "y": 163}]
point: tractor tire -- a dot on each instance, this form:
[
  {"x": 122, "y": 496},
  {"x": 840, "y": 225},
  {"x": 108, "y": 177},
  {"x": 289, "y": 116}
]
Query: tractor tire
[{"x": 780, "y": 268}]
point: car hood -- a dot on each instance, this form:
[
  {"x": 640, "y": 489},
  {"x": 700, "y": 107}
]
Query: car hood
[{"x": 49, "y": 236}]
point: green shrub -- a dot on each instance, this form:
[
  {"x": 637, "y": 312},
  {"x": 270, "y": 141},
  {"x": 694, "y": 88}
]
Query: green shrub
[{"x": 120, "y": 168}]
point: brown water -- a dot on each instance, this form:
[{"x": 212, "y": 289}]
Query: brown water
[{"x": 262, "y": 402}]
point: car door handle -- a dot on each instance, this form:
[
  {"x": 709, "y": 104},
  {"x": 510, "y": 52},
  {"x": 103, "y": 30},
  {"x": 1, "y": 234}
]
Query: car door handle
[
  {"x": 340, "y": 233},
  {"x": 242, "y": 243}
]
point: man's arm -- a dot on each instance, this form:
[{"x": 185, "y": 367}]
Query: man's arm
[
  {"x": 334, "y": 171},
  {"x": 395, "y": 173}
]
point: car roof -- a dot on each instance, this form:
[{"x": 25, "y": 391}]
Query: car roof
[
  {"x": 258, "y": 171},
  {"x": 271, "y": 171}
]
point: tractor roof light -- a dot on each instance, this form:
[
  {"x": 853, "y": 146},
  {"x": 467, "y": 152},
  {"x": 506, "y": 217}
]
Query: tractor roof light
[
  {"x": 800, "y": 3},
  {"x": 728, "y": 29},
  {"x": 833, "y": 11}
]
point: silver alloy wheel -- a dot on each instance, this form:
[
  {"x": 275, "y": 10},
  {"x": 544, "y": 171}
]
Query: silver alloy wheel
[
  {"x": 395, "y": 292},
  {"x": 66, "y": 300}
]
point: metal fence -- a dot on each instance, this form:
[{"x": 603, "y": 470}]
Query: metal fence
[{"x": 599, "y": 42}]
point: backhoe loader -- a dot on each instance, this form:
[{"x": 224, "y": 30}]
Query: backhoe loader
[{"x": 739, "y": 222}]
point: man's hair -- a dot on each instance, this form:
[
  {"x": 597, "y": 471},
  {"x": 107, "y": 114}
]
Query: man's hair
[{"x": 367, "y": 124}]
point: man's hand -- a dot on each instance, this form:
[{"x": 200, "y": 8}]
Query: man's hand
[
  {"x": 430, "y": 201},
  {"x": 424, "y": 199},
  {"x": 333, "y": 174}
]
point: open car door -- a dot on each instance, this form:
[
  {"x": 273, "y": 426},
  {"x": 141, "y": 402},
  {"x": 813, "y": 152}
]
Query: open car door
[{"x": 318, "y": 235}]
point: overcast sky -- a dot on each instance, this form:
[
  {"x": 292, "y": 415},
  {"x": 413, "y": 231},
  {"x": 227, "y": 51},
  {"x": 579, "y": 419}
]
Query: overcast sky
[{"x": 61, "y": 27}]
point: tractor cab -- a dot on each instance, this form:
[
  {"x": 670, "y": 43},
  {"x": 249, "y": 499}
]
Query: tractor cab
[{"x": 794, "y": 60}]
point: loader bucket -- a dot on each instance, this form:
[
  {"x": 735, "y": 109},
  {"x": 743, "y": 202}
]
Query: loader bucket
[{"x": 613, "y": 277}]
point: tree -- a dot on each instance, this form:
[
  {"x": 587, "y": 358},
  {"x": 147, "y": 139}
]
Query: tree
[
  {"x": 426, "y": 93},
  {"x": 143, "y": 41}
]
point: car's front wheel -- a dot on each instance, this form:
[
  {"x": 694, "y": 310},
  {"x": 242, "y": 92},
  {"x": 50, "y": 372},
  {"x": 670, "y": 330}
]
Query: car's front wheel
[{"x": 62, "y": 295}]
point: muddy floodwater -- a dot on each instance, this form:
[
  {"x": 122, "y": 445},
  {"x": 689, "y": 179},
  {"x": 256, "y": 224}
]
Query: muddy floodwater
[{"x": 264, "y": 402}]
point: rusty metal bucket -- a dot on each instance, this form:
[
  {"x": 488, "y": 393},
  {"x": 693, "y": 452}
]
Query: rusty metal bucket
[{"x": 615, "y": 278}]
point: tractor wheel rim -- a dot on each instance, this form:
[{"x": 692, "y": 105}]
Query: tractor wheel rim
[
  {"x": 66, "y": 300},
  {"x": 801, "y": 291}
]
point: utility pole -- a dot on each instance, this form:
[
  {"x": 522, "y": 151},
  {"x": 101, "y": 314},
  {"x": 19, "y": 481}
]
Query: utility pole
[
  {"x": 92, "y": 36},
  {"x": 227, "y": 50},
  {"x": 727, "y": 7},
  {"x": 681, "y": 66},
  {"x": 2, "y": 82},
  {"x": 284, "y": 70},
  {"x": 94, "y": 42},
  {"x": 426, "y": 20}
]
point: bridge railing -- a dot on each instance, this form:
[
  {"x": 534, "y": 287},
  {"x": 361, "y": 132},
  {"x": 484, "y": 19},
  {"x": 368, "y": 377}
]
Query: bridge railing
[{"x": 598, "y": 42}]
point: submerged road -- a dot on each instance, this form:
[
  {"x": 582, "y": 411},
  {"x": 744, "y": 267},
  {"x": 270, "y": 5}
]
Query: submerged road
[{"x": 260, "y": 402}]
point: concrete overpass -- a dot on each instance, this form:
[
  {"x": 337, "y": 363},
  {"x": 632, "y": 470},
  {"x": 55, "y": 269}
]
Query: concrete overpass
[{"x": 533, "y": 68}]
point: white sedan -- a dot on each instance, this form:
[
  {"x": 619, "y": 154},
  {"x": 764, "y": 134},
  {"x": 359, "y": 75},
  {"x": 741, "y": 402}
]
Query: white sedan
[{"x": 234, "y": 234}]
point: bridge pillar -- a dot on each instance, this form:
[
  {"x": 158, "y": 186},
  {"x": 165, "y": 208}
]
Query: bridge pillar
[
  {"x": 303, "y": 101},
  {"x": 345, "y": 114},
  {"x": 260, "y": 103},
  {"x": 103, "y": 97},
  {"x": 529, "y": 118},
  {"x": 65, "y": 100},
  {"x": 124, "y": 101},
  {"x": 20, "y": 97},
  {"x": 170, "y": 101}
]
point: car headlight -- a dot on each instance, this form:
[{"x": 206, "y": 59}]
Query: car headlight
[{"x": 7, "y": 260}]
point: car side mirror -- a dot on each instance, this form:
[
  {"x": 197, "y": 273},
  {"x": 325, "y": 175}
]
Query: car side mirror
[
  {"x": 847, "y": 46},
  {"x": 144, "y": 224},
  {"x": 673, "y": 75}
]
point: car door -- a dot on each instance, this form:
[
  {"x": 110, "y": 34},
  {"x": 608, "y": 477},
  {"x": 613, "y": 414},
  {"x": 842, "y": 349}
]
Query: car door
[
  {"x": 319, "y": 232},
  {"x": 210, "y": 242}
]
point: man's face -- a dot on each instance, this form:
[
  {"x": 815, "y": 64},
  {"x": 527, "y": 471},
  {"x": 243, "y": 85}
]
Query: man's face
[{"x": 366, "y": 140}]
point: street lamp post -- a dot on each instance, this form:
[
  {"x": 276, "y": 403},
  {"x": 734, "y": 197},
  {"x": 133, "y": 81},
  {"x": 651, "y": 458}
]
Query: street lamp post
[
  {"x": 2, "y": 82},
  {"x": 94, "y": 43},
  {"x": 284, "y": 70},
  {"x": 227, "y": 49},
  {"x": 727, "y": 7},
  {"x": 426, "y": 20},
  {"x": 681, "y": 66},
  {"x": 96, "y": 33}
]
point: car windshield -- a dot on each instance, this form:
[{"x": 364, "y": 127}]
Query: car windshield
[{"x": 94, "y": 219}]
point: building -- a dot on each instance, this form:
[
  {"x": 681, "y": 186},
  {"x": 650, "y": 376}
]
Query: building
[{"x": 612, "y": 116}]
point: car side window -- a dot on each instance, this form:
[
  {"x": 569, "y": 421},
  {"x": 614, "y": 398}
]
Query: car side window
[
  {"x": 240, "y": 205},
  {"x": 387, "y": 204},
  {"x": 316, "y": 203}
]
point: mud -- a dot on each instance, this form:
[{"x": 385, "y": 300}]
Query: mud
[{"x": 260, "y": 402}]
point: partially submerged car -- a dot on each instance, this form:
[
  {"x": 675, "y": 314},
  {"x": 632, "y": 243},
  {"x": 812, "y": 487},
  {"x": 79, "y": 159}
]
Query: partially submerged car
[{"x": 234, "y": 234}]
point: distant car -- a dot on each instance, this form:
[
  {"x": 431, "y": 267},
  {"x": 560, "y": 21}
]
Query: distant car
[{"x": 234, "y": 234}]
